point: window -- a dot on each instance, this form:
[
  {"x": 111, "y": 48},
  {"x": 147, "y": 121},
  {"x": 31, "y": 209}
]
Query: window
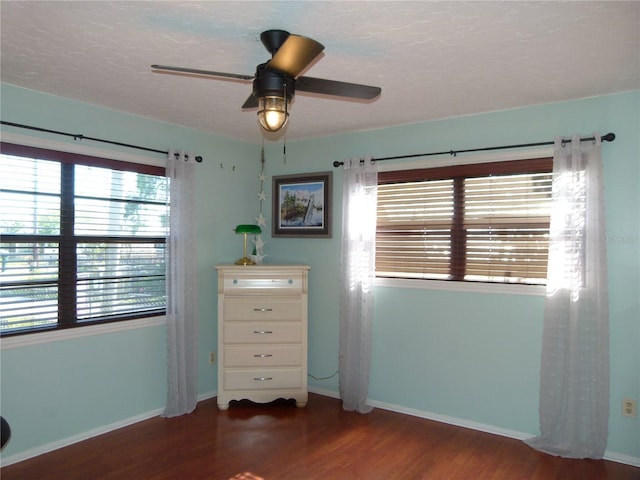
[
  {"x": 484, "y": 222},
  {"x": 82, "y": 240}
]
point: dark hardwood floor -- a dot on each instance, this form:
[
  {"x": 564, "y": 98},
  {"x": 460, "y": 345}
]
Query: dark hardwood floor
[{"x": 321, "y": 441}]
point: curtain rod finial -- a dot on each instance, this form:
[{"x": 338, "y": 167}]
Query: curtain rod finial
[{"x": 609, "y": 137}]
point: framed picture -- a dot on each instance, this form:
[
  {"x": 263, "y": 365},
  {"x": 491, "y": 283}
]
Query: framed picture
[{"x": 302, "y": 205}]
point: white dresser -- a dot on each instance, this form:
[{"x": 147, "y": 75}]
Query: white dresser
[{"x": 262, "y": 333}]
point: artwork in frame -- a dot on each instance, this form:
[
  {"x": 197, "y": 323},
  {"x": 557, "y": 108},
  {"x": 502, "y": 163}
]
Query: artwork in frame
[{"x": 302, "y": 205}]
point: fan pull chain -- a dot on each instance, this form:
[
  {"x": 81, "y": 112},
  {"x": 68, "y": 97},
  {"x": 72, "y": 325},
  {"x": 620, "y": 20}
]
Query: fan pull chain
[{"x": 284, "y": 149}]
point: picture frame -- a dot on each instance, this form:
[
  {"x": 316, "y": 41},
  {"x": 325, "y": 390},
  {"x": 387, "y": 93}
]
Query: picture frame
[{"x": 302, "y": 205}]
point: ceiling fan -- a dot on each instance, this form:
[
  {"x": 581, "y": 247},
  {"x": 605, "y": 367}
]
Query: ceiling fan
[{"x": 276, "y": 81}]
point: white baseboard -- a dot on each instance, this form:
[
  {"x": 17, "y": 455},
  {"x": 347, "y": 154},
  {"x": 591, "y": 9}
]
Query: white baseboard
[
  {"x": 324, "y": 392},
  {"x": 622, "y": 458},
  {"x": 460, "y": 422},
  {"x": 207, "y": 395},
  {"x": 64, "y": 442},
  {"x": 34, "y": 452}
]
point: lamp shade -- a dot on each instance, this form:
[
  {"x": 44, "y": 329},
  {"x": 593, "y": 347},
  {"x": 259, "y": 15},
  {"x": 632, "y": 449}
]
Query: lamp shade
[
  {"x": 273, "y": 112},
  {"x": 248, "y": 229},
  {"x": 245, "y": 230}
]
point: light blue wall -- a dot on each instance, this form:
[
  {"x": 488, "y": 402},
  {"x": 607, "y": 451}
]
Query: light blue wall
[
  {"x": 466, "y": 355},
  {"x": 476, "y": 356},
  {"x": 58, "y": 390}
]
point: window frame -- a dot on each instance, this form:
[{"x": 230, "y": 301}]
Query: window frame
[
  {"x": 68, "y": 156},
  {"x": 457, "y": 160}
]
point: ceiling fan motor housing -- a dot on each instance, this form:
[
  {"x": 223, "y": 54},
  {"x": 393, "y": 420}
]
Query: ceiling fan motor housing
[
  {"x": 272, "y": 83},
  {"x": 273, "y": 39}
]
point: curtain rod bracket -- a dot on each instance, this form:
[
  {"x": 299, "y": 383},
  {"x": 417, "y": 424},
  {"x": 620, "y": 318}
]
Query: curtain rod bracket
[{"x": 197, "y": 158}]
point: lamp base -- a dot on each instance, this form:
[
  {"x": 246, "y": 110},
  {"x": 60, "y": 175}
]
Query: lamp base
[{"x": 245, "y": 261}]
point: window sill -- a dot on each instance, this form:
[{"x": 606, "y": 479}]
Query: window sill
[
  {"x": 474, "y": 287},
  {"x": 78, "y": 332}
]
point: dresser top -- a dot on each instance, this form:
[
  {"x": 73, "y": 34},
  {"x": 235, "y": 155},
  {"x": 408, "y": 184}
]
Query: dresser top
[{"x": 262, "y": 267}]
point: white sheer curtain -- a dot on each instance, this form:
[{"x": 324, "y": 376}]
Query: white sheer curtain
[
  {"x": 182, "y": 332},
  {"x": 357, "y": 273},
  {"x": 574, "y": 378}
]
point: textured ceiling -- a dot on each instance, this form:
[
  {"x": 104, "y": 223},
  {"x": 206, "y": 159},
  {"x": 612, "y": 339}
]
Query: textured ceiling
[{"x": 432, "y": 59}]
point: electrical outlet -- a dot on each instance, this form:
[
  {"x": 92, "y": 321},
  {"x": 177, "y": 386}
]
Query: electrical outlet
[
  {"x": 212, "y": 358},
  {"x": 629, "y": 407}
]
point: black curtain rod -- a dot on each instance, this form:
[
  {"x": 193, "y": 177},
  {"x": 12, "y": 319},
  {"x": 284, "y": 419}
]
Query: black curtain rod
[
  {"x": 609, "y": 137},
  {"x": 78, "y": 136}
]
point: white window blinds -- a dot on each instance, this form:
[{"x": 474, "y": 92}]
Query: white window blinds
[
  {"x": 80, "y": 243},
  {"x": 487, "y": 222}
]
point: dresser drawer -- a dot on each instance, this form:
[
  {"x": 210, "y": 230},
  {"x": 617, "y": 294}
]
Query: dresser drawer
[
  {"x": 273, "y": 283},
  {"x": 262, "y": 308},
  {"x": 262, "y": 379},
  {"x": 263, "y": 356},
  {"x": 262, "y": 332}
]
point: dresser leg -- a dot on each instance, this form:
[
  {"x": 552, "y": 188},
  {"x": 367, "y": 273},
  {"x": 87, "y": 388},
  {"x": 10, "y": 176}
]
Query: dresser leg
[
  {"x": 223, "y": 406},
  {"x": 301, "y": 404}
]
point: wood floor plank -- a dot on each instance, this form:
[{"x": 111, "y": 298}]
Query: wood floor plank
[{"x": 319, "y": 442}]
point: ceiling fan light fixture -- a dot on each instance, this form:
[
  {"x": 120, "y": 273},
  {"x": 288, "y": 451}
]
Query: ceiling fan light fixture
[
  {"x": 274, "y": 83},
  {"x": 273, "y": 112}
]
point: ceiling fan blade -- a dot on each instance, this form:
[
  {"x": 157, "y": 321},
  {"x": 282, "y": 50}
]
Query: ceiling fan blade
[
  {"x": 338, "y": 89},
  {"x": 251, "y": 102},
  {"x": 208, "y": 73},
  {"x": 295, "y": 54}
]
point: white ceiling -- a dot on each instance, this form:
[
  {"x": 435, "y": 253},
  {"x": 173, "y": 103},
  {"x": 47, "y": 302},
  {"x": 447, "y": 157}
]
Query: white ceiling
[{"x": 432, "y": 59}]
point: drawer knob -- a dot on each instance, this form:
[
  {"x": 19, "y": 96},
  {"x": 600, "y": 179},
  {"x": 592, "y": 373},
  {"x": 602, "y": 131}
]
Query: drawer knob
[
  {"x": 263, "y": 355},
  {"x": 262, "y": 379},
  {"x": 290, "y": 281},
  {"x": 235, "y": 281},
  {"x": 262, "y": 332},
  {"x": 263, "y": 309}
]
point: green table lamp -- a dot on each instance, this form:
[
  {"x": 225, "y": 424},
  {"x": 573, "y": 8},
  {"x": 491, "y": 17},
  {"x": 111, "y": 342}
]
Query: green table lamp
[{"x": 247, "y": 230}]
